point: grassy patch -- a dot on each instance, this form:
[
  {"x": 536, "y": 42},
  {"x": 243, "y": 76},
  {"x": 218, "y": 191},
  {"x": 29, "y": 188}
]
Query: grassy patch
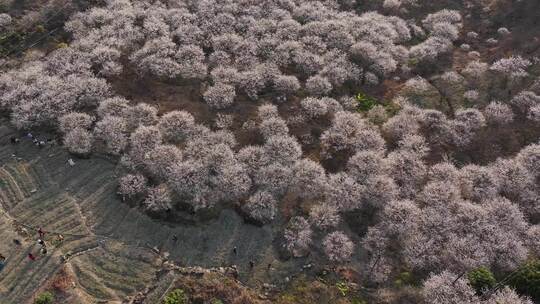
[
  {"x": 343, "y": 288},
  {"x": 44, "y": 298},
  {"x": 481, "y": 279},
  {"x": 365, "y": 102},
  {"x": 177, "y": 296},
  {"x": 304, "y": 290},
  {"x": 527, "y": 280}
]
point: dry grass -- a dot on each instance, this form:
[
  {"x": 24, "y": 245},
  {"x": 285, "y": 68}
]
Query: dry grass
[{"x": 213, "y": 286}]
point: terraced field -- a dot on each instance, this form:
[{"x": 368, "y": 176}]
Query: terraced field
[{"x": 107, "y": 244}]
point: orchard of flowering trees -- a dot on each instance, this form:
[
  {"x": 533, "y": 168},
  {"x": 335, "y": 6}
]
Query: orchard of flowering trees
[{"x": 443, "y": 194}]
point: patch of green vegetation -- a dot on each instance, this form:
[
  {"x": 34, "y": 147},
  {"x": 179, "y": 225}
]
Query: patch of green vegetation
[
  {"x": 343, "y": 288},
  {"x": 217, "y": 301},
  {"x": 365, "y": 102},
  {"x": 44, "y": 298},
  {"x": 527, "y": 280},
  {"x": 305, "y": 290},
  {"x": 481, "y": 279},
  {"x": 177, "y": 296}
]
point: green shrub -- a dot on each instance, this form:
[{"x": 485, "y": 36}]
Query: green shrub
[
  {"x": 45, "y": 298},
  {"x": 365, "y": 102},
  {"x": 177, "y": 296},
  {"x": 527, "y": 280},
  {"x": 481, "y": 279},
  {"x": 343, "y": 288}
]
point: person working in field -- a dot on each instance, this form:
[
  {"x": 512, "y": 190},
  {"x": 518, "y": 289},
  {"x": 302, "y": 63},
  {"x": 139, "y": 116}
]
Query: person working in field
[
  {"x": 41, "y": 233},
  {"x": 2, "y": 262}
]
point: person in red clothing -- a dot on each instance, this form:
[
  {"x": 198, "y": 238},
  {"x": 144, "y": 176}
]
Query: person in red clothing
[{"x": 31, "y": 256}]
